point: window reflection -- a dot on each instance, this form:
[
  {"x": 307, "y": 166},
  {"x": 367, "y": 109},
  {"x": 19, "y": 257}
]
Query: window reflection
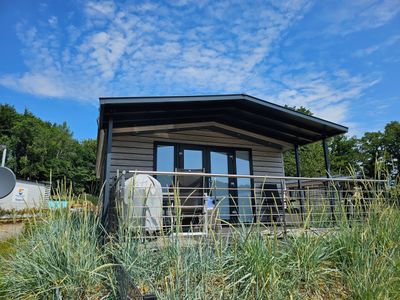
[
  {"x": 193, "y": 159},
  {"x": 220, "y": 185},
  {"x": 244, "y": 186},
  {"x": 165, "y": 163}
]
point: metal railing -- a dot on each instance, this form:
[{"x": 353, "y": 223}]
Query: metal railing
[{"x": 197, "y": 203}]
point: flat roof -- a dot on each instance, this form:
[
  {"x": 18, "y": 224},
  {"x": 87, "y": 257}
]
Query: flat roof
[{"x": 236, "y": 110}]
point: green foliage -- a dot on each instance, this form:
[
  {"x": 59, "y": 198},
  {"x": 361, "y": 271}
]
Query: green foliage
[
  {"x": 352, "y": 262},
  {"x": 59, "y": 258},
  {"x": 7, "y": 247},
  {"x": 344, "y": 155},
  {"x": 37, "y": 148},
  {"x": 311, "y": 161},
  {"x": 349, "y": 154}
]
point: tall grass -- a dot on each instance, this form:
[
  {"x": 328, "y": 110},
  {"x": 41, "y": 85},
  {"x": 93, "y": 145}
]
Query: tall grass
[
  {"x": 60, "y": 258},
  {"x": 357, "y": 259}
]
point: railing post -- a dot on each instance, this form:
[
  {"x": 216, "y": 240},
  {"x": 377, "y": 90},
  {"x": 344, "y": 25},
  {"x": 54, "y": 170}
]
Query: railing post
[
  {"x": 283, "y": 206},
  {"x": 107, "y": 175},
  {"x": 299, "y": 186},
  {"x": 205, "y": 206},
  {"x": 330, "y": 194}
]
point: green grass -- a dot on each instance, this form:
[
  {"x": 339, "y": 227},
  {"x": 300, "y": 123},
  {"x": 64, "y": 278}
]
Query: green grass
[
  {"x": 358, "y": 259},
  {"x": 7, "y": 247},
  {"x": 57, "y": 258},
  {"x": 357, "y": 262},
  {"x": 60, "y": 258}
]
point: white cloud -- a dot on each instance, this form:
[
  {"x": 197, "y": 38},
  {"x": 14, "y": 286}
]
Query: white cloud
[
  {"x": 184, "y": 48},
  {"x": 37, "y": 84},
  {"x": 100, "y": 8},
  {"x": 377, "y": 47},
  {"x": 53, "y": 21},
  {"x": 356, "y": 15}
]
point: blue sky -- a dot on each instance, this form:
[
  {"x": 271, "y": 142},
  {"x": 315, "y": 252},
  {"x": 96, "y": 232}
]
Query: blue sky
[{"x": 341, "y": 59}]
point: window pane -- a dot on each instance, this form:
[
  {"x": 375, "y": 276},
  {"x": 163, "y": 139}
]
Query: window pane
[
  {"x": 165, "y": 158},
  {"x": 193, "y": 159},
  {"x": 220, "y": 185},
  {"x": 244, "y": 200},
  {"x": 242, "y": 162},
  {"x": 244, "y": 186},
  {"x": 165, "y": 163},
  {"x": 219, "y": 162}
]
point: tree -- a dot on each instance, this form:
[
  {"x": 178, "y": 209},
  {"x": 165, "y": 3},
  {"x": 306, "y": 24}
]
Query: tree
[
  {"x": 38, "y": 148},
  {"x": 85, "y": 170},
  {"x": 391, "y": 141},
  {"x": 311, "y": 156},
  {"x": 371, "y": 150},
  {"x": 344, "y": 155}
]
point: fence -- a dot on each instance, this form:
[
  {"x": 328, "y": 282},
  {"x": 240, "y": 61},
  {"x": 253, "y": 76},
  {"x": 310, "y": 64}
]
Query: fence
[
  {"x": 206, "y": 205},
  {"x": 197, "y": 203}
]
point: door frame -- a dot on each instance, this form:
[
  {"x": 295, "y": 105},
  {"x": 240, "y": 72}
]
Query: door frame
[{"x": 206, "y": 149}]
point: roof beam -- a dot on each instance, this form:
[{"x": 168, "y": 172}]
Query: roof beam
[
  {"x": 219, "y": 127},
  {"x": 162, "y": 128},
  {"x": 253, "y": 127}
]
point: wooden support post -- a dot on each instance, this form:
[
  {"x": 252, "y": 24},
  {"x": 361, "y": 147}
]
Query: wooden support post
[
  {"x": 331, "y": 194},
  {"x": 107, "y": 175}
]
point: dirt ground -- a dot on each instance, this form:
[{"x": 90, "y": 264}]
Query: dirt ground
[{"x": 10, "y": 229}]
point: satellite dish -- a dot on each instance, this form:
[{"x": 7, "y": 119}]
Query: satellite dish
[{"x": 7, "y": 181}]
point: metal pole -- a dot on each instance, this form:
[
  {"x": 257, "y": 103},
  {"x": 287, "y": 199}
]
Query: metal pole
[
  {"x": 326, "y": 158},
  {"x": 298, "y": 174},
  {"x": 331, "y": 195},
  {"x": 283, "y": 206},
  {"x": 3, "y": 161},
  {"x": 106, "y": 200}
]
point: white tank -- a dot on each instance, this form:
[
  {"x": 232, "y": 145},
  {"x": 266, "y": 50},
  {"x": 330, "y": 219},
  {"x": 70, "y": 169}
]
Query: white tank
[{"x": 143, "y": 201}]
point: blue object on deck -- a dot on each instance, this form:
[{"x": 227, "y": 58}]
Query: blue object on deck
[
  {"x": 57, "y": 204},
  {"x": 210, "y": 203}
]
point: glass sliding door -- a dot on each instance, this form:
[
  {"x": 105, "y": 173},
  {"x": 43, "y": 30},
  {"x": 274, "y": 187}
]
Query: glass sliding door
[
  {"x": 233, "y": 196},
  {"x": 244, "y": 190},
  {"x": 165, "y": 162},
  {"x": 192, "y": 159},
  {"x": 219, "y": 189}
]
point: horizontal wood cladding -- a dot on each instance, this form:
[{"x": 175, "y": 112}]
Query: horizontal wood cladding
[{"x": 135, "y": 152}]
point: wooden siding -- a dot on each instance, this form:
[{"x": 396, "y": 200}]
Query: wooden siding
[{"x": 135, "y": 152}]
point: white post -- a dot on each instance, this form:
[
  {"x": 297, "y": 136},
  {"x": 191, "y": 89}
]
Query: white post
[{"x": 3, "y": 161}]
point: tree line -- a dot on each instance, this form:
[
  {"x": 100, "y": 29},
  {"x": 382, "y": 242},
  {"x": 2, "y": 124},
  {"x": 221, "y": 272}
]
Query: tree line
[
  {"x": 39, "y": 150},
  {"x": 350, "y": 156}
]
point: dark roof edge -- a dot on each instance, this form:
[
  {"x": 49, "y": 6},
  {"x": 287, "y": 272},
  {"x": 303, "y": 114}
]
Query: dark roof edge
[
  {"x": 158, "y": 99},
  {"x": 296, "y": 113}
]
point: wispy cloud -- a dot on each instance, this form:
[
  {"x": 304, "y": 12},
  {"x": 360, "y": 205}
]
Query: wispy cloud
[
  {"x": 144, "y": 47},
  {"x": 327, "y": 94},
  {"x": 357, "y": 15},
  {"x": 377, "y": 47},
  {"x": 187, "y": 48}
]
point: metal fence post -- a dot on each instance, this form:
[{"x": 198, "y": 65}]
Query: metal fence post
[{"x": 283, "y": 206}]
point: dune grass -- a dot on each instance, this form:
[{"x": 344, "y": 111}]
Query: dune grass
[
  {"x": 57, "y": 258},
  {"x": 356, "y": 259},
  {"x": 60, "y": 258}
]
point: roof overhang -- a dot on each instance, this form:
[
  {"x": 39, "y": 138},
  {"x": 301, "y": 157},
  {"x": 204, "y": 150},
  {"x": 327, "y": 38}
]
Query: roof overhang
[
  {"x": 238, "y": 111},
  {"x": 213, "y": 126}
]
